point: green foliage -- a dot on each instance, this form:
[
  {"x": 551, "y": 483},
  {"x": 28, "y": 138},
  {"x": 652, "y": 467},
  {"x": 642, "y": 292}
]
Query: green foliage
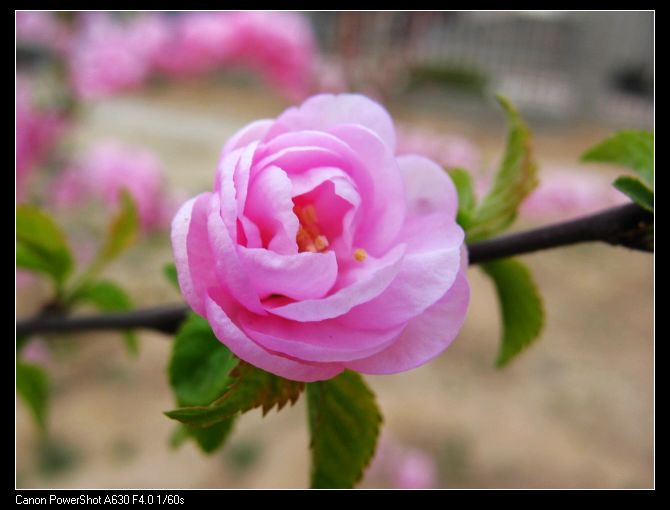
[
  {"x": 121, "y": 233},
  {"x": 109, "y": 297},
  {"x": 520, "y": 304},
  {"x": 344, "y": 423},
  {"x": 170, "y": 273},
  {"x": 252, "y": 388},
  {"x": 464, "y": 79},
  {"x": 515, "y": 179},
  {"x": 634, "y": 150},
  {"x": 466, "y": 195},
  {"x": 630, "y": 149},
  {"x": 41, "y": 245},
  {"x": 200, "y": 365},
  {"x": 32, "y": 384},
  {"x": 636, "y": 190},
  {"x": 199, "y": 373}
]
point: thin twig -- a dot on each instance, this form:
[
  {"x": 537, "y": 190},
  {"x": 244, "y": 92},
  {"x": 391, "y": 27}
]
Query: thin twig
[{"x": 627, "y": 225}]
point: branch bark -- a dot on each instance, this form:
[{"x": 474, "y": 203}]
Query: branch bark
[{"x": 627, "y": 225}]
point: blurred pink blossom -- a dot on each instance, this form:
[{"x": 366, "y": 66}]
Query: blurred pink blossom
[
  {"x": 450, "y": 151},
  {"x": 108, "y": 56},
  {"x": 109, "y": 167},
  {"x": 280, "y": 45},
  {"x": 194, "y": 44},
  {"x": 36, "y": 351},
  {"x": 570, "y": 192},
  {"x": 403, "y": 467},
  {"x": 37, "y": 131},
  {"x": 111, "y": 55},
  {"x": 42, "y": 28}
]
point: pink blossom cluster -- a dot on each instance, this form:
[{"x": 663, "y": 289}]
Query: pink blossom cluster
[
  {"x": 570, "y": 192},
  {"x": 110, "y": 55},
  {"x": 106, "y": 169},
  {"x": 450, "y": 151},
  {"x": 37, "y": 130}
]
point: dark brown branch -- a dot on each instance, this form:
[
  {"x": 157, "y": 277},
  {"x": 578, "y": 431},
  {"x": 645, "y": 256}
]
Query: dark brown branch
[{"x": 628, "y": 225}]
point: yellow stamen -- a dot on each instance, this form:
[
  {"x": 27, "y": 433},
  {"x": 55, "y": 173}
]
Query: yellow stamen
[
  {"x": 308, "y": 215},
  {"x": 321, "y": 242},
  {"x": 360, "y": 255}
]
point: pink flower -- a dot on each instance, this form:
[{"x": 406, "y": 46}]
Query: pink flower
[
  {"x": 570, "y": 192},
  {"x": 197, "y": 43},
  {"x": 108, "y": 57},
  {"x": 37, "y": 131},
  {"x": 105, "y": 170},
  {"x": 280, "y": 45},
  {"x": 277, "y": 45},
  {"x": 320, "y": 250}
]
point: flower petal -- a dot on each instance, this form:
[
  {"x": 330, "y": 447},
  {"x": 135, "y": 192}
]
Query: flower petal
[
  {"x": 227, "y": 264},
  {"x": 425, "y": 337},
  {"x": 323, "y": 341},
  {"x": 387, "y": 210},
  {"x": 252, "y": 132},
  {"x": 248, "y": 350},
  {"x": 270, "y": 207},
  {"x": 299, "y": 276},
  {"x": 357, "y": 283},
  {"x": 428, "y": 269},
  {"x": 325, "y": 111},
  {"x": 192, "y": 252},
  {"x": 429, "y": 188}
]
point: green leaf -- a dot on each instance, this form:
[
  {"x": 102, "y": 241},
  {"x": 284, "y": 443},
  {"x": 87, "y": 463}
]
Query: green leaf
[
  {"x": 521, "y": 306},
  {"x": 200, "y": 365},
  {"x": 252, "y": 388},
  {"x": 466, "y": 195},
  {"x": 121, "y": 233},
  {"x": 41, "y": 245},
  {"x": 109, "y": 297},
  {"x": 170, "y": 272},
  {"x": 199, "y": 374},
  {"x": 32, "y": 385},
  {"x": 344, "y": 423},
  {"x": 210, "y": 439},
  {"x": 631, "y": 149},
  {"x": 515, "y": 179},
  {"x": 637, "y": 191}
]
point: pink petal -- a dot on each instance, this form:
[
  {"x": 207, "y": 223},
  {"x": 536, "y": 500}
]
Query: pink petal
[
  {"x": 301, "y": 158},
  {"x": 299, "y": 276},
  {"x": 246, "y": 349},
  {"x": 229, "y": 268},
  {"x": 324, "y": 111},
  {"x": 323, "y": 341},
  {"x": 270, "y": 206},
  {"x": 387, "y": 212},
  {"x": 428, "y": 269},
  {"x": 225, "y": 184},
  {"x": 314, "y": 177},
  {"x": 425, "y": 337},
  {"x": 358, "y": 283},
  {"x": 252, "y": 132},
  {"x": 429, "y": 188},
  {"x": 192, "y": 253}
]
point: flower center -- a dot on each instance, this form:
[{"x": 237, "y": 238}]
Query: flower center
[{"x": 309, "y": 237}]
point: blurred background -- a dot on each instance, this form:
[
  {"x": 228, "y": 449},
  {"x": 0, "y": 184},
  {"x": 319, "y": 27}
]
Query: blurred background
[{"x": 146, "y": 100}]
